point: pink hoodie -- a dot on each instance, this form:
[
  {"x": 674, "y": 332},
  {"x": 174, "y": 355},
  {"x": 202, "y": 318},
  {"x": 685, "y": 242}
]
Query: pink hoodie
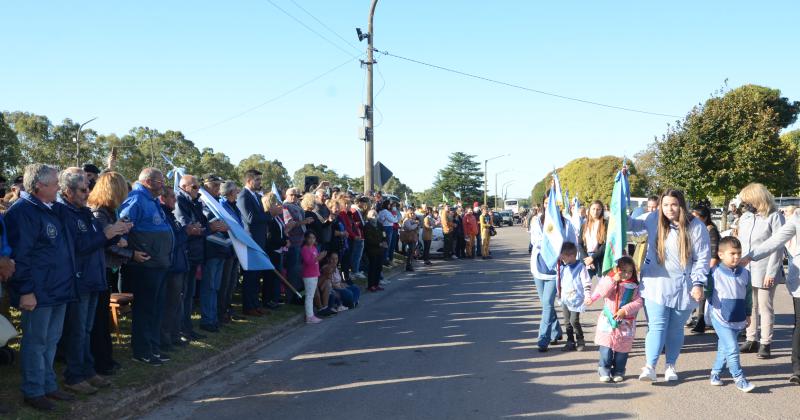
[{"x": 618, "y": 339}]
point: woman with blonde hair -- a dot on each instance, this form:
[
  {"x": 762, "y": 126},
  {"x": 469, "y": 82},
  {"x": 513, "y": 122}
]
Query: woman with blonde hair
[
  {"x": 760, "y": 219},
  {"x": 277, "y": 239},
  {"x": 110, "y": 190},
  {"x": 672, "y": 277}
]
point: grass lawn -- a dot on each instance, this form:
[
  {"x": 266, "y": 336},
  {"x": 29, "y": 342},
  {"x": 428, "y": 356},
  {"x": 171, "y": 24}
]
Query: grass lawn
[{"x": 134, "y": 375}]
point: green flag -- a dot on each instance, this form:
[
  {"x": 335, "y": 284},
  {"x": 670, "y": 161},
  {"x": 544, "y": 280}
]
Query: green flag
[{"x": 617, "y": 234}]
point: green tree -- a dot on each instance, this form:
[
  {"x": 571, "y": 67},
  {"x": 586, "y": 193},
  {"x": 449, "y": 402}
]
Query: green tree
[
  {"x": 322, "y": 171},
  {"x": 9, "y": 149},
  {"x": 33, "y": 134},
  {"x": 272, "y": 171},
  {"x": 589, "y": 179},
  {"x": 396, "y": 187},
  {"x": 462, "y": 174},
  {"x": 217, "y": 163},
  {"x": 646, "y": 162},
  {"x": 729, "y": 141},
  {"x": 129, "y": 159}
]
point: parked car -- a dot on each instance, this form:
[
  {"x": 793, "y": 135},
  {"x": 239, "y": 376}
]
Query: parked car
[
  {"x": 437, "y": 242},
  {"x": 507, "y": 218}
]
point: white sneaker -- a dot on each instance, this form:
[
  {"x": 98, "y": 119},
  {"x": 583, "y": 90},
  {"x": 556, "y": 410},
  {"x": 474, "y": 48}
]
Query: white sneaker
[
  {"x": 360, "y": 276},
  {"x": 648, "y": 374},
  {"x": 670, "y": 374},
  {"x": 618, "y": 379},
  {"x": 605, "y": 379}
]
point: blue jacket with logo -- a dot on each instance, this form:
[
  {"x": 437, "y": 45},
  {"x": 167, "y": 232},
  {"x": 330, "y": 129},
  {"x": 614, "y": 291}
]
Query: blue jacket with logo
[
  {"x": 90, "y": 243},
  {"x": 151, "y": 232},
  {"x": 5, "y": 249},
  {"x": 43, "y": 250},
  {"x": 730, "y": 295}
]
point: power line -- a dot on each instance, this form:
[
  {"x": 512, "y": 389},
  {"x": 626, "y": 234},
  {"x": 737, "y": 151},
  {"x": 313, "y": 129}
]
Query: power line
[
  {"x": 541, "y": 92},
  {"x": 311, "y": 29},
  {"x": 325, "y": 26},
  {"x": 277, "y": 97}
]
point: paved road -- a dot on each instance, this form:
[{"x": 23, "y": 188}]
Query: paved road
[{"x": 457, "y": 341}]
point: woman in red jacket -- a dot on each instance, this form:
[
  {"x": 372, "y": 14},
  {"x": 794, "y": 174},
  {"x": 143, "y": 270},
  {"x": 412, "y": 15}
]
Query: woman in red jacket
[{"x": 470, "y": 231}]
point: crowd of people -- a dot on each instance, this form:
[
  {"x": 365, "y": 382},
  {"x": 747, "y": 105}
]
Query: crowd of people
[
  {"x": 683, "y": 273},
  {"x": 75, "y": 238}
]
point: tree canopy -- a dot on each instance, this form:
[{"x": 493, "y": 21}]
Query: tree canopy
[
  {"x": 589, "y": 179},
  {"x": 462, "y": 175}
]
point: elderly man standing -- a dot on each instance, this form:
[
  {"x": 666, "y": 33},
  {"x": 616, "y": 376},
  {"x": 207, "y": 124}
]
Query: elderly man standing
[
  {"x": 44, "y": 281},
  {"x": 255, "y": 222},
  {"x": 218, "y": 248},
  {"x": 90, "y": 242},
  {"x": 296, "y": 228},
  {"x": 189, "y": 214},
  {"x": 152, "y": 235}
]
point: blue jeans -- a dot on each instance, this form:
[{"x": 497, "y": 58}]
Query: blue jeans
[
  {"x": 389, "y": 252},
  {"x": 78, "y": 324},
  {"x": 149, "y": 290},
  {"x": 41, "y": 330},
  {"x": 727, "y": 349},
  {"x": 549, "y": 328},
  {"x": 612, "y": 361},
  {"x": 357, "y": 251},
  {"x": 189, "y": 286},
  {"x": 349, "y": 296},
  {"x": 665, "y": 331},
  {"x": 209, "y": 286}
]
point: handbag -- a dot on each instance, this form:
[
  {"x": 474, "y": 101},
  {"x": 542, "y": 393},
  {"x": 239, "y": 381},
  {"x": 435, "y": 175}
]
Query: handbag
[
  {"x": 409, "y": 236},
  {"x": 492, "y": 231}
]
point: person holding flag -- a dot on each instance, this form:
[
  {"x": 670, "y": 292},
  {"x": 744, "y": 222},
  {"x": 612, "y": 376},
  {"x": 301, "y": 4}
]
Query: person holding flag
[
  {"x": 548, "y": 233},
  {"x": 673, "y": 274}
]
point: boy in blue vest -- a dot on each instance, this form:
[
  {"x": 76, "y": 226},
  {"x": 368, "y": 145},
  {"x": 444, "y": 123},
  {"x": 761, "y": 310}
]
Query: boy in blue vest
[
  {"x": 573, "y": 285},
  {"x": 730, "y": 299}
]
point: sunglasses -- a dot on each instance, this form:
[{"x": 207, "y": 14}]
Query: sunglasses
[{"x": 195, "y": 187}]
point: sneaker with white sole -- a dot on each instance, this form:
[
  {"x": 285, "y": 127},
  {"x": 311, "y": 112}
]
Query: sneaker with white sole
[
  {"x": 617, "y": 379},
  {"x": 715, "y": 380},
  {"x": 670, "y": 374},
  {"x": 743, "y": 385},
  {"x": 313, "y": 320},
  {"x": 648, "y": 374},
  {"x": 605, "y": 379}
]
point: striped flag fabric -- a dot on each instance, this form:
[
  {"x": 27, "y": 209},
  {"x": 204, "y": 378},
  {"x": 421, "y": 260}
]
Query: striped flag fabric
[
  {"x": 552, "y": 231},
  {"x": 558, "y": 194},
  {"x": 276, "y": 192},
  {"x": 251, "y": 256},
  {"x": 617, "y": 235}
]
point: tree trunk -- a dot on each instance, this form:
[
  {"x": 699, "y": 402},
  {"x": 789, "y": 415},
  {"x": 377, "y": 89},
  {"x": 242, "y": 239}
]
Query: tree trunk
[{"x": 724, "y": 222}]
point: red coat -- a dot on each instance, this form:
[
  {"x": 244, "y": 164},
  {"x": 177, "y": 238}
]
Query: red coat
[
  {"x": 356, "y": 224},
  {"x": 470, "y": 224}
]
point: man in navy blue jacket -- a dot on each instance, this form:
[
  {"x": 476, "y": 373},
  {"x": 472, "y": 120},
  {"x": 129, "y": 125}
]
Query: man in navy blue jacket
[
  {"x": 152, "y": 235},
  {"x": 255, "y": 222},
  {"x": 90, "y": 242},
  {"x": 218, "y": 248},
  {"x": 44, "y": 281}
]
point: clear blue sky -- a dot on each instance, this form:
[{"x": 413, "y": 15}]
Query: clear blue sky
[{"x": 187, "y": 65}]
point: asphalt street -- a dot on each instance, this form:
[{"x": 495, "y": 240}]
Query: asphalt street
[{"x": 458, "y": 341}]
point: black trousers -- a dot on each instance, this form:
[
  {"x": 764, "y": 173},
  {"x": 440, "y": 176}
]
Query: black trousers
[
  {"x": 100, "y": 339},
  {"x": 374, "y": 270},
  {"x": 461, "y": 245},
  {"x": 796, "y": 338},
  {"x": 426, "y": 250},
  {"x": 573, "y": 322}
]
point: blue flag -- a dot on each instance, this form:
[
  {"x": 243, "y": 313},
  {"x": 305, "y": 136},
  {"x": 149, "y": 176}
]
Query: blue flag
[
  {"x": 251, "y": 256},
  {"x": 277, "y": 194},
  {"x": 552, "y": 232}
]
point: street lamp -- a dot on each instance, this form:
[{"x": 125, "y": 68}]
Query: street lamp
[
  {"x": 485, "y": 180},
  {"x": 77, "y": 141},
  {"x": 505, "y": 190},
  {"x": 495, "y": 185}
]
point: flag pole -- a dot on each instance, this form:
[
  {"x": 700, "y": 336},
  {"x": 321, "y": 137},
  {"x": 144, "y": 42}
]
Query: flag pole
[{"x": 287, "y": 284}]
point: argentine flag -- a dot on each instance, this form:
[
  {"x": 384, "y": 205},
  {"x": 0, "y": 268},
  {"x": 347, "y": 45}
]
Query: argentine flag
[
  {"x": 251, "y": 256},
  {"x": 617, "y": 235},
  {"x": 557, "y": 185},
  {"x": 552, "y": 232},
  {"x": 277, "y": 194}
]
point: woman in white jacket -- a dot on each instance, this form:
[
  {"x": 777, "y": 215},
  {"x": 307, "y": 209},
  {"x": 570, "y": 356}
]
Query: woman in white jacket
[{"x": 545, "y": 280}]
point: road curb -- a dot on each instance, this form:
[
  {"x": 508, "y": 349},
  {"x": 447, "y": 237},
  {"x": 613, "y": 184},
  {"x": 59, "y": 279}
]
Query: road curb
[{"x": 143, "y": 400}]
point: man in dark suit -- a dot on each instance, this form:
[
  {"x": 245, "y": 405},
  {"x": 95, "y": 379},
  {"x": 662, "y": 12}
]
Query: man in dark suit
[{"x": 255, "y": 222}]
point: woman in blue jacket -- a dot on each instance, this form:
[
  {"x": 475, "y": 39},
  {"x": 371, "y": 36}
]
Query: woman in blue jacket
[{"x": 673, "y": 276}]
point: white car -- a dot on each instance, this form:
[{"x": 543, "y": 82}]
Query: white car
[{"x": 437, "y": 242}]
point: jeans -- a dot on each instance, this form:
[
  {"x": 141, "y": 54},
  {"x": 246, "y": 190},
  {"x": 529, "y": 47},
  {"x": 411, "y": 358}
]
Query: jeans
[
  {"x": 612, "y": 362},
  {"x": 357, "y": 253},
  {"x": 173, "y": 308},
  {"x": 78, "y": 323},
  {"x": 389, "y": 252},
  {"x": 549, "y": 328},
  {"x": 209, "y": 286},
  {"x": 408, "y": 250},
  {"x": 41, "y": 329},
  {"x": 479, "y": 244},
  {"x": 148, "y": 309},
  {"x": 727, "y": 349},
  {"x": 665, "y": 331},
  {"x": 573, "y": 322},
  {"x": 189, "y": 286},
  {"x": 349, "y": 296},
  {"x": 230, "y": 277},
  {"x": 310, "y": 284},
  {"x": 796, "y": 338}
]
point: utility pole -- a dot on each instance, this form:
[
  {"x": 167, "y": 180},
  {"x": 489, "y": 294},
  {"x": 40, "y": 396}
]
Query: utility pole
[
  {"x": 78, "y": 143},
  {"x": 496, "y": 191},
  {"x": 485, "y": 179},
  {"x": 369, "y": 123}
]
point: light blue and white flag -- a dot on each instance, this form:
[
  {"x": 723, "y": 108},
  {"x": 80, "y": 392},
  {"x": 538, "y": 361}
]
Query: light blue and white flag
[
  {"x": 552, "y": 231},
  {"x": 251, "y": 256},
  {"x": 557, "y": 186},
  {"x": 276, "y": 192},
  {"x": 457, "y": 195},
  {"x": 444, "y": 197},
  {"x": 176, "y": 173}
]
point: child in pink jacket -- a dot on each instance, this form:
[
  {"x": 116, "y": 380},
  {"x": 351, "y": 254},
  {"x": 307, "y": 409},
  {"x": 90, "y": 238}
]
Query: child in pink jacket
[{"x": 616, "y": 325}]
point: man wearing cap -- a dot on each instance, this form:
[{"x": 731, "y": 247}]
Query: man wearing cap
[
  {"x": 92, "y": 172},
  {"x": 255, "y": 221},
  {"x": 189, "y": 215},
  {"x": 218, "y": 248},
  {"x": 296, "y": 223}
]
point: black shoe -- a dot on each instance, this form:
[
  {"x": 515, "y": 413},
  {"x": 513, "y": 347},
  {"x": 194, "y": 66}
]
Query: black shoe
[
  {"x": 794, "y": 379},
  {"x": 748, "y": 347},
  {"x": 763, "y": 351},
  {"x": 699, "y": 327},
  {"x": 325, "y": 312},
  {"x": 542, "y": 349},
  {"x": 40, "y": 403},
  {"x": 554, "y": 342},
  {"x": 691, "y": 323},
  {"x": 570, "y": 346},
  {"x": 163, "y": 357},
  {"x": 148, "y": 361},
  {"x": 209, "y": 328}
]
